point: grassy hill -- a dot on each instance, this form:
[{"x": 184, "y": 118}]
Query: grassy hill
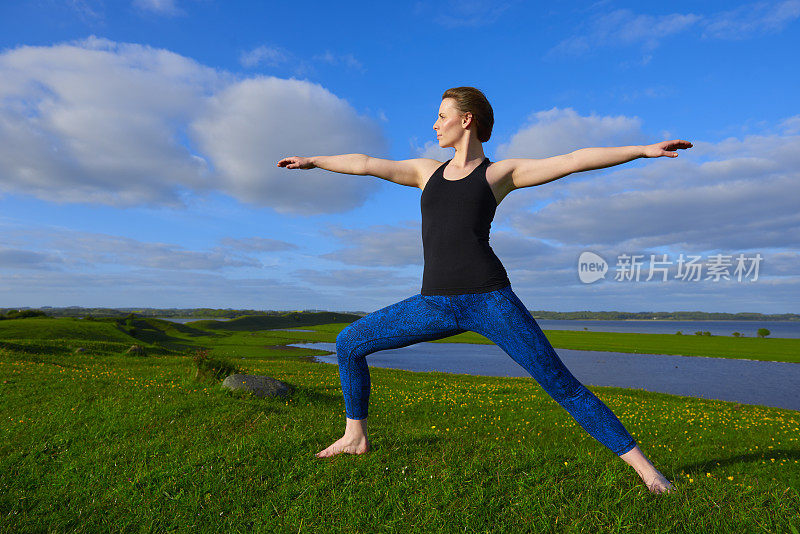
[
  {"x": 62, "y": 328},
  {"x": 43, "y": 336},
  {"x": 268, "y": 322}
]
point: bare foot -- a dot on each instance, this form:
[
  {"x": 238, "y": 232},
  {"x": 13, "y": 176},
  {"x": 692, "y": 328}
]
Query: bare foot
[
  {"x": 659, "y": 484},
  {"x": 346, "y": 444},
  {"x": 652, "y": 477}
]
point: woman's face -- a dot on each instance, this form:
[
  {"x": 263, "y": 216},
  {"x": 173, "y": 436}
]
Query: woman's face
[{"x": 448, "y": 125}]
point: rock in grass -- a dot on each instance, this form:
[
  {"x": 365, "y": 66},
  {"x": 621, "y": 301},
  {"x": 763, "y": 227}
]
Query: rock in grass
[{"x": 258, "y": 385}]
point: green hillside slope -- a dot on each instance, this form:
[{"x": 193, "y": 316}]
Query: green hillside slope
[{"x": 267, "y": 322}]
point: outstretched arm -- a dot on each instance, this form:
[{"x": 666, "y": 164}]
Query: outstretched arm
[
  {"x": 408, "y": 172},
  {"x": 529, "y": 172},
  {"x": 598, "y": 158},
  {"x": 345, "y": 163}
]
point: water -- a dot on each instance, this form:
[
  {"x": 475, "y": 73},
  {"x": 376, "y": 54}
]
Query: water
[
  {"x": 790, "y": 329},
  {"x": 184, "y": 320},
  {"x": 745, "y": 381}
]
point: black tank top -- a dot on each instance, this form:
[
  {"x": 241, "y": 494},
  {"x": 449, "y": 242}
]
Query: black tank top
[{"x": 456, "y": 218}]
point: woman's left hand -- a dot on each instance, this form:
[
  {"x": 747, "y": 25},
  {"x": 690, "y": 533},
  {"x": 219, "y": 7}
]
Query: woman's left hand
[{"x": 665, "y": 148}]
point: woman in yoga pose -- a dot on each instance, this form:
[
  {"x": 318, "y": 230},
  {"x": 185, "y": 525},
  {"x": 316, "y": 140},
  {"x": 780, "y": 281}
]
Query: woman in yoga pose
[{"x": 464, "y": 285}]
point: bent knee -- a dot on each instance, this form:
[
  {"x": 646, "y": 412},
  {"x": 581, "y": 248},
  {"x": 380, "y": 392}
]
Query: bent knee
[
  {"x": 344, "y": 334},
  {"x": 345, "y": 342}
]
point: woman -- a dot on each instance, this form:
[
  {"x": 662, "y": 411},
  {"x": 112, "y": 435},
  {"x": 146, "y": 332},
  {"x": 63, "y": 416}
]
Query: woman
[{"x": 464, "y": 285}]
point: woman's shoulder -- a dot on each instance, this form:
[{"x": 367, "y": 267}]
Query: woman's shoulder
[{"x": 429, "y": 167}]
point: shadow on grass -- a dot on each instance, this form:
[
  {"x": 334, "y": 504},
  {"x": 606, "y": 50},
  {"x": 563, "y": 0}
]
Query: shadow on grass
[
  {"x": 301, "y": 396},
  {"x": 304, "y": 395},
  {"x": 766, "y": 455},
  {"x": 297, "y": 353},
  {"x": 36, "y": 347}
]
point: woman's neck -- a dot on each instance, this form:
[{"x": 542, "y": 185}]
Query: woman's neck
[{"x": 464, "y": 159}]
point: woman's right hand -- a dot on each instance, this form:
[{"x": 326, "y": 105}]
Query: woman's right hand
[{"x": 296, "y": 162}]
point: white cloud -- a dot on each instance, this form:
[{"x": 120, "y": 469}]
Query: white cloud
[
  {"x": 462, "y": 13},
  {"x": 711, "y": 197},
  {"x": 702, "y": 217},
  {"x": 53, "y": 248},
  {"x": 25, "y": 259},
  {"x": 264, "y": 55},
  {"x": 559, "y": 131},
  {"x": 378, "y": 245},
  {"x": 276, "y": 56},
  {"x": 345, "y": 60},
  {"x": 791, "y": 125},
  {"x": 163, "y": 289},
  {"x": 258, "y": 244},
  {"x": 162, "y": 7},
  {"x": 751, "y": 19},
  {"x": 623, "y": 27},
  {"x": 85, "y": 10},
  {"x": 430, "y": 149},
  {"x": 96, "y": 122},
  {"x": 123, "y": 124},
  {"x": 55, "y": 266},
  {"x": 120, "y": 124},
  {"x": 347, "y": 278},
  {"x": 250, "y": 125}
]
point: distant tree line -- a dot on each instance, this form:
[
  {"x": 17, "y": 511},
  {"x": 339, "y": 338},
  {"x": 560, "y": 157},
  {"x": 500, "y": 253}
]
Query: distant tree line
[
  {"x": 666, "y": 316},
  {"x": 78, "y": 311},
  {"x": 228, "y": 313},
  {"x": 21, "y": 314}
]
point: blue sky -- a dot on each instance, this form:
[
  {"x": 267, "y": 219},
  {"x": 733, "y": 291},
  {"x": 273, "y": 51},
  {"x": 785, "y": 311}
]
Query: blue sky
[{"x": 138, "y": 143}]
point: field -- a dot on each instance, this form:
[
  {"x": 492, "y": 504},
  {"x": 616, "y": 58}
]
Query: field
[{"x": 102, "y": 440}]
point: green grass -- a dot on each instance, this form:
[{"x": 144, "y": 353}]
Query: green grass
[
  {"x": 264, "y": 322},
  {"x": 100, "y": 441},
  {"x": 62, "y": 328}
]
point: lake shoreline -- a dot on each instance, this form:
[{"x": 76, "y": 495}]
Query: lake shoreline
[{"x": 754, "y": 382}]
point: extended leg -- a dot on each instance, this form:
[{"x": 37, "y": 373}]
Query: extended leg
[
  {"x": 513, "y": 329},
  {"x": 503, "y": 318},
  {"x": 413, "y": 320}
]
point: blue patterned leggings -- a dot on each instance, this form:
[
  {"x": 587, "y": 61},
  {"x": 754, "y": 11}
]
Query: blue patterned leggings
[{"x": 498, "y": 315}]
